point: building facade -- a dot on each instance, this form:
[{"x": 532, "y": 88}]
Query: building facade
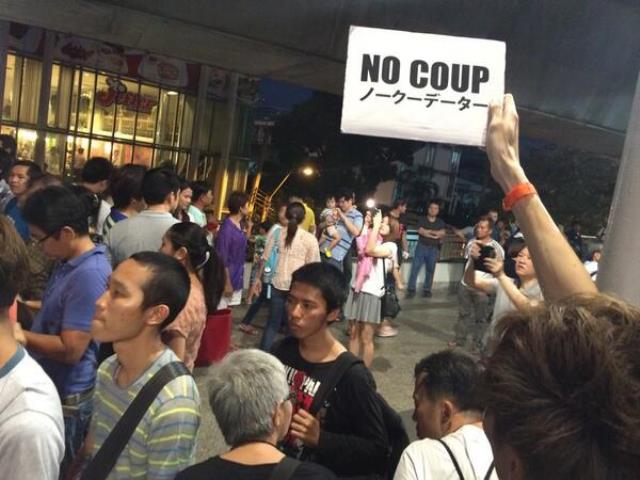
[{"x": 67, "y": 98}]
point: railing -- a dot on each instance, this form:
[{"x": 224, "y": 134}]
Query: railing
[{"x": 451, "y": 250}]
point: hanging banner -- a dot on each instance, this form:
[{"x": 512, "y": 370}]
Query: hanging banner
[{"x": 420, "y": 86}]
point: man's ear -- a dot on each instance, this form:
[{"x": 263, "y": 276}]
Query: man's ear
[
  {"x": 447, "y": 410},
  {"x": 332, "y": 316},
  {"x": 155, "y": 315}
]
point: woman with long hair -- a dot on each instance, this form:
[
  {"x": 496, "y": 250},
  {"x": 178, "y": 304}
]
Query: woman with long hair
[
  {"x": 364, "y": 305},
  {"x": 296, "y": 247},
  {"x": 188, "y": 243},
  {"x": 184, "y": 202}
]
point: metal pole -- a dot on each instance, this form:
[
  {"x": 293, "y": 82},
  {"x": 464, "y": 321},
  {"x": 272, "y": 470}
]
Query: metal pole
[
  {"x": 4, "y": 48},
  {"x": 201, "y": 105},
  {"x": 619, "y": 271},
  {"x": 45, "y": 93}
]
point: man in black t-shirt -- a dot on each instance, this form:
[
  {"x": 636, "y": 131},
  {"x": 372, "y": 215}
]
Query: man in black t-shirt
[
  {"x": 430, "y": 232},
  {"x": 348, "y": 434}
]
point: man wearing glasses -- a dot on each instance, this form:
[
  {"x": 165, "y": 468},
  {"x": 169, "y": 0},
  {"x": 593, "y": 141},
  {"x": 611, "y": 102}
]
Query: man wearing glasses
[{"x": 60, "y": 338}]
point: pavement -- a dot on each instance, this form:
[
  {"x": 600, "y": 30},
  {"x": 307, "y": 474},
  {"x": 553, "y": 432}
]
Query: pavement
[{"x": 425, "y": 326}]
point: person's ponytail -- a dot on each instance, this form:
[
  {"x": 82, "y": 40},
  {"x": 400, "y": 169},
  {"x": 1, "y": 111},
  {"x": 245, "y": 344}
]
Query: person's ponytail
[
  {"x": 213, "y": 278},
  {"x": 295, "y": 215}
]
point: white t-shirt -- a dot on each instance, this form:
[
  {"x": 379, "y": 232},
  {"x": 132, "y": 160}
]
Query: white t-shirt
[
  {"x": 31, "y": 425},
  {"x": 428, "y": 460},
  {"x": 503, "y": 303},
  {"x": 374, "y": 284}
]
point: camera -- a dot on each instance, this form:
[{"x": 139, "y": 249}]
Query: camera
[
  {"x": 485, "y": 252},
  {"x": 371, "y": 206}
]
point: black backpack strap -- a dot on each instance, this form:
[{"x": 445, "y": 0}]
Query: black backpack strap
[
  {"x": 453, "y": 459},
  {"x": 104, "y": 461},
  {"x": 343, "y": 363},
  {"x": 490, "y": 471},
  {"x": 285, "y": 469}
]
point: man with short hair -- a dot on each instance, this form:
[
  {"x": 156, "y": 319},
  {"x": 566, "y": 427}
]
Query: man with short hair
[
  {"x": 60, "y": 337},
  {"x": 145, "y": 294},
  {"x": 448, "y": 415},
  {"x": 201, "y": 198},
  {"x": 349, "y": 226},
  {"x": 31, "y": 426},
  {"x": 349, "y": 435},
  {"x": 430, "y": 232},
  {"x": 96, "y": 176},
  {"x": 474, "y": 306},
  {"x": 494, "y": 215},
  {"x": 126, "y": 192},
  {"x": 19, "y": 178},
  {"x": 7, "y": 158},
  {"x": 144, "y": 231}
]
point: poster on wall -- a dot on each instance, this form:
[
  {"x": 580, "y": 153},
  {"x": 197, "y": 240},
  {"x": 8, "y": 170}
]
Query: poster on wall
[{"x": 419, "y": 86}]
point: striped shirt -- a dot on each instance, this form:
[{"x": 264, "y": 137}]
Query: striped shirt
[{"x": 164, "y": 441}]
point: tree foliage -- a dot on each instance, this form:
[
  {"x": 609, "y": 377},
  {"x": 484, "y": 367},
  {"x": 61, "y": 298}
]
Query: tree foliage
[{"x": 310, "y": 133}]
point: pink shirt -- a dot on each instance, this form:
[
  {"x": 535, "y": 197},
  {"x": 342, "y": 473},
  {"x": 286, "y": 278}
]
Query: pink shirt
[
  {"x": 190, "y": 323},
  {"x": 303, "y": 249}
]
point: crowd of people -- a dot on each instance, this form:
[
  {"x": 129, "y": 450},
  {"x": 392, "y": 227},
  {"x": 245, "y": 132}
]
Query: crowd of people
[{"x": 95, "y": 367}]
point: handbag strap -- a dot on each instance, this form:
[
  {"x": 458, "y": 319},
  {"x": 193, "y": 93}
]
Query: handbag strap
[
  {"x": 343, "y": 363},
  {"x": 285, "y": 469},
  {"x": 453, "y": 459},
  {"x": 104, "y": 461}
]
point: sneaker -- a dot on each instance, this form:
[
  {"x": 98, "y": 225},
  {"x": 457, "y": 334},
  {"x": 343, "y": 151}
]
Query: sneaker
[
  {"x": 410, "y": 294},
  {"x": 386, "y": 331},
  {"x": 427, "y": 294}
]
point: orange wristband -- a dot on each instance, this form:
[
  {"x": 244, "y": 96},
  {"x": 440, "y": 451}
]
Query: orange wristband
[{"x": 516, "y": 194}]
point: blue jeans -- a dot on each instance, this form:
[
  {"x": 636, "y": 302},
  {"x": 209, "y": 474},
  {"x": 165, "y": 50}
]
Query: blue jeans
[
  {"x": 255, "y": 306},
  {"x": 428, "y": 256},
  {"x": 77, "y": 417},
  {"x": 277, "y": 317}
]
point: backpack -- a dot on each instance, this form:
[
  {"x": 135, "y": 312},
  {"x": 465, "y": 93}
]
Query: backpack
[{"x": 397, "y": 437}]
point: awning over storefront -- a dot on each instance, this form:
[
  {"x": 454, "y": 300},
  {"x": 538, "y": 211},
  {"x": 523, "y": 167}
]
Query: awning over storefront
[{"x": 572, "y": 64}]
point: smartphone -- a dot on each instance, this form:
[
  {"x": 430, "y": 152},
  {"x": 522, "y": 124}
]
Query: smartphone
[{"x": 485, "y": 252}]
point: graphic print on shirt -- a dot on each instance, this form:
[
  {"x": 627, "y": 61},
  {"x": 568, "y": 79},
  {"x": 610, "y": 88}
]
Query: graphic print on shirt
[{"x": 305, "y": 389}]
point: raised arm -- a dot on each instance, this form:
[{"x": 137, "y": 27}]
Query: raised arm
[{"x": 558, "y": 269}]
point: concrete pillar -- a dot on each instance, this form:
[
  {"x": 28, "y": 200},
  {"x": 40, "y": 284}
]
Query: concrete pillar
[
  {"x": 222, "y": 180},
  {"x": 4, "y": 48},
  {"x": 45, "y": 93},
  {"x": 201, "y": 105},
  {"x": 619, "y": 271}
]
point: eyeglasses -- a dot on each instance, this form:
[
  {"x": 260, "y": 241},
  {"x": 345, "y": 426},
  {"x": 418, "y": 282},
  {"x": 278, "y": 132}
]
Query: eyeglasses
[{"x": 40, "y": 241}]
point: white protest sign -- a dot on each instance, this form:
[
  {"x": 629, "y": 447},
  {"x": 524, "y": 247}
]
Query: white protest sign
[{"x": 419, "y": 86}]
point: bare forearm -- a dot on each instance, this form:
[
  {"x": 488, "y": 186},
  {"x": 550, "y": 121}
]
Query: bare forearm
[
  {"x": 51, "y": 346},
  {"x": 516, "y": 296},
  {"x": 559, "y": 271}
]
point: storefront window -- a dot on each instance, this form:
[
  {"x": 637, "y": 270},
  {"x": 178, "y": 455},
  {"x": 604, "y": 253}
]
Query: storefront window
[
  {"x": 168, "y": 116},
  {"x": 182, "y": 167},
  {"x": 143, "y": 156},
  {"x": 164, "y": 157},
  {"x": 26, "y": 144},
  {"x": 11, "y": 88},
  {"x": 147, "y": 113},
  {"x": 100, "y": 148},
  {"x": 85, "y": 101},
  {"x": 60, "y": 97},
  {"x": 121, "y": 153},
  {"x": 30, "y": 91},
  {"x": 73, "y": 120},
  {"x": 187, "y": 121},
  {"x": 105, "y": 109},
  {"x": 122, "y": 95},
  {"x": 55, "y": 151}
]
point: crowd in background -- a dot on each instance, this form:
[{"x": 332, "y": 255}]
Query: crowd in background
[{"x": 105, "y": 289}]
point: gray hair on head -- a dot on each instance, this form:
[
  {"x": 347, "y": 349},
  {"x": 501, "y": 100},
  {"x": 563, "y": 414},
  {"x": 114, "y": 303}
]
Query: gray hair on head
[{"x": 245, "y": 389}]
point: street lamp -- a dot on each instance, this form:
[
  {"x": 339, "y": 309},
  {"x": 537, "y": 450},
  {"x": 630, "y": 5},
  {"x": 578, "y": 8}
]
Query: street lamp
[{"x": 307, "y": 171}]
